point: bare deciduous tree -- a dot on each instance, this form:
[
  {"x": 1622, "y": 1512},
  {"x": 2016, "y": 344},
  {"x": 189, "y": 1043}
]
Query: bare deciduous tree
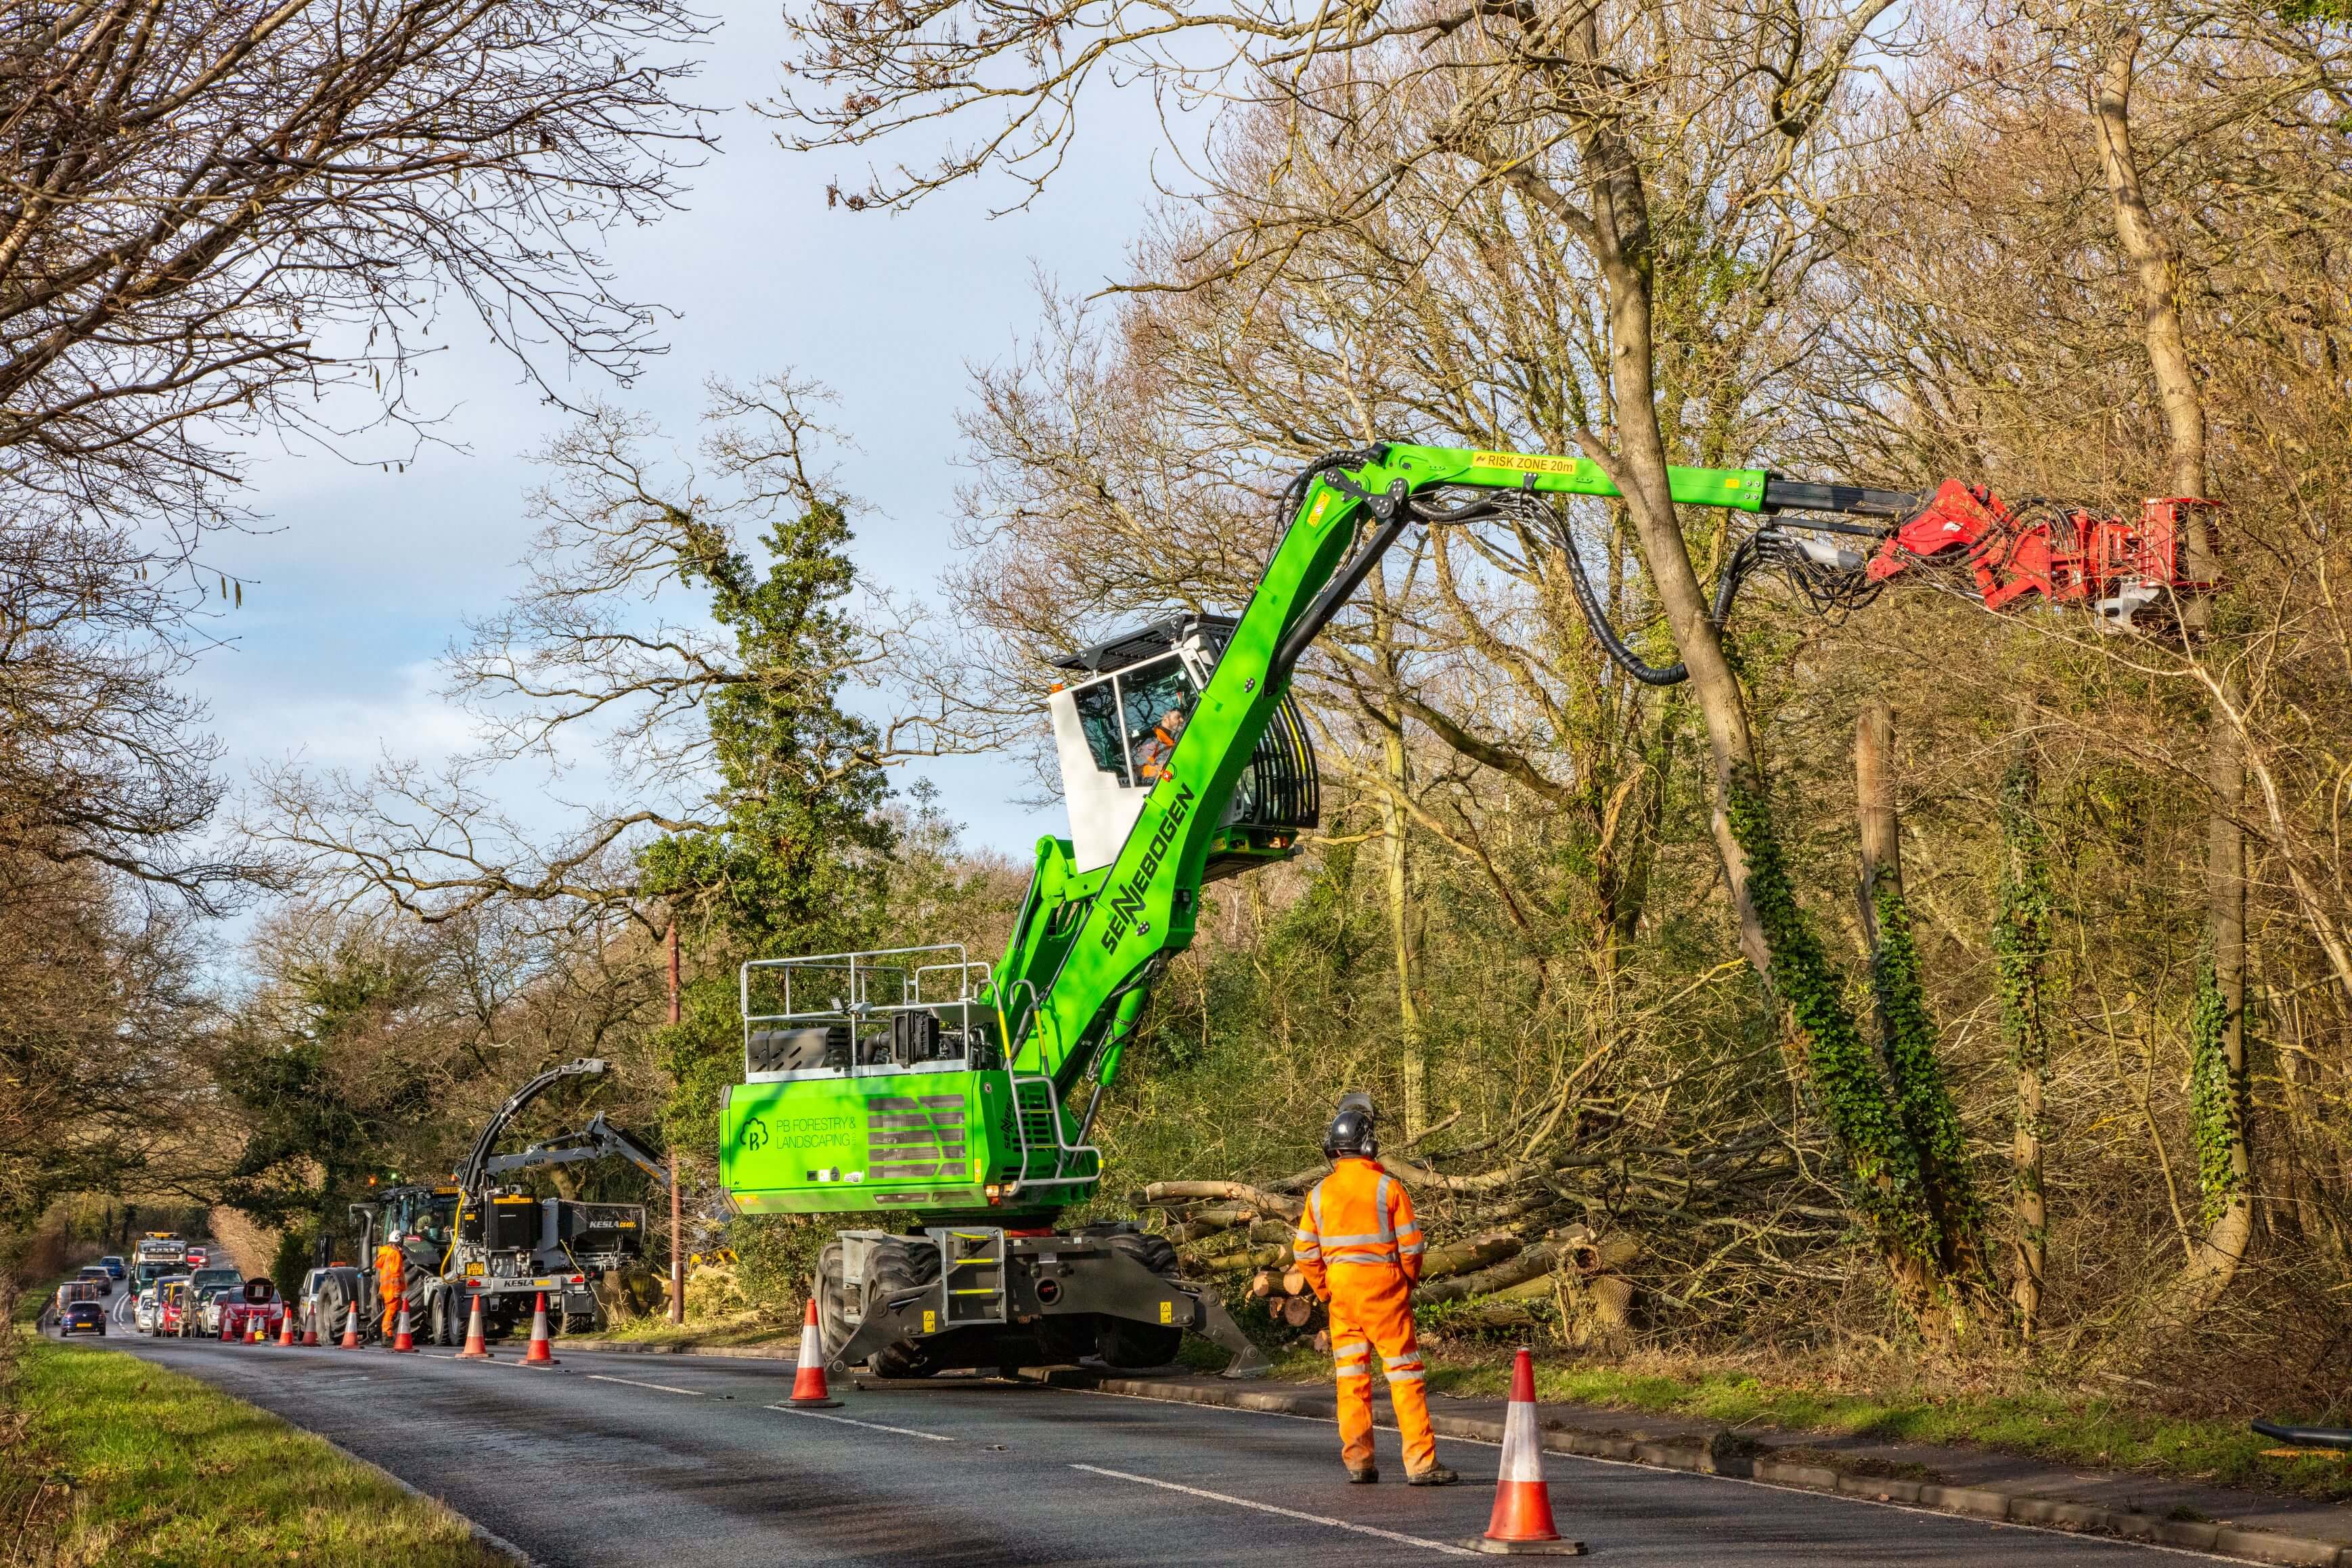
[{"x": 210, "y": 213}]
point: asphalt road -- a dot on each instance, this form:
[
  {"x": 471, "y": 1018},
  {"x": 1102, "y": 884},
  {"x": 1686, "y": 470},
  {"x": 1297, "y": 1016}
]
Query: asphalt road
[{"x": 626, "y": 1459}]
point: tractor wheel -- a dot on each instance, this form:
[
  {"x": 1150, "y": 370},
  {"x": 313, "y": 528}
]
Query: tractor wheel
[
  {"x": 1127, "y": 1345},
  {"x": 832, "y": 1300},
  {"x": 894, "y": 1266},
  {"x": 1121, "y": 1341}
]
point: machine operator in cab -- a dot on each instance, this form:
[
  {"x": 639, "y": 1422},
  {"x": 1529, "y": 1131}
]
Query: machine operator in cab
[{"x": 1360, "y": 1246}]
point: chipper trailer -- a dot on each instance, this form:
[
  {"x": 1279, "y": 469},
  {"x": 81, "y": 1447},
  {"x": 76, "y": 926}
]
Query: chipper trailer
[
  {"x": 478, "y": 1237},
  {"x": 947, "y": 1104}
]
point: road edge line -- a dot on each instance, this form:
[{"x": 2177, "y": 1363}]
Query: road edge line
[{"x": 2083, "y": 1520}]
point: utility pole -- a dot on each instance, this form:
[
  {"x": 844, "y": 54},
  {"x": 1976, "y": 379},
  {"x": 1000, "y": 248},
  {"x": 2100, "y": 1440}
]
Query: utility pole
[{"x": 677, "y": 1204}]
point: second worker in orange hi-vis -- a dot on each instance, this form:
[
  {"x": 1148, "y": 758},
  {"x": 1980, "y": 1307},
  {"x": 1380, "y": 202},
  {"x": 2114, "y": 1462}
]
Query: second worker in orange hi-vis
[{"x": 1360, "y": 1246}]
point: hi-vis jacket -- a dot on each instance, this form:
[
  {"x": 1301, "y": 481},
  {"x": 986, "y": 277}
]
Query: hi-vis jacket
[{"x": 1358, "y": 1237}]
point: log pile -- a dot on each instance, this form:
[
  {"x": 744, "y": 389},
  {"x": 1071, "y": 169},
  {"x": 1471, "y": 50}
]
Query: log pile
[
  {"x": 1286, "y": 1296},
  {"x": 1527, "y": 1265}
]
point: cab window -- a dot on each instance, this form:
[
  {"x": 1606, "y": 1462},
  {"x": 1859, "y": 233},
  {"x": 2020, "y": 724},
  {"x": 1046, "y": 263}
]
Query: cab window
[
  {"x": 1156, "y": 701},
  {"x": 1099, "y": 717}
]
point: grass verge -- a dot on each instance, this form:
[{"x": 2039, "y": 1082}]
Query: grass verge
[
  {"x": 141, "y": 1465},
  {"x": 2067, "y": 1428},
  {"x": 697, "y": 1334}
]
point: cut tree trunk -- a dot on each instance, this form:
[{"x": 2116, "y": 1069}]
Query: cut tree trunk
[
  {"x": 1467, "y": 1257},
  {"x": 1535, "y": 1261},
  {"x": 1164, "y": 1193}
]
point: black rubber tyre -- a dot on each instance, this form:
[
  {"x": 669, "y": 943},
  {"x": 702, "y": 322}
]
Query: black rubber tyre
[
  {"x": 1131, "y": 1346},
  {"x": 1156, "y": 1253},
  {"x": 446, "y": 1329},
  {"x": 1121, "y": 1341},
  {"x": 900, "y": 1264},
  {"x": 832, "y": 1300},
  {"x": 902, "y": 1359}
]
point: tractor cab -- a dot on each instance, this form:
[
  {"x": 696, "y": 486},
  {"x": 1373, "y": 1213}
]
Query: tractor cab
[
  {"x": 427, "y": 1214},
  {"x": 430, "y": 1212},
  {"x": 1116, "y": 724}
]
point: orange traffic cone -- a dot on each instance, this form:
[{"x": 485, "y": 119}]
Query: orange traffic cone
[
  {"x": 311, "y": 1327},
  {"x": 402, "y": 1342},
  {"x": 1521, "y": 1524},
  {"x": 541, "y": 1352},
  {"x": 478, "y": 1347},
  {"x": 351, "y": 1326},
  {"x": 808, "y": 1380},
  {"x": 286, "y": 1330}
]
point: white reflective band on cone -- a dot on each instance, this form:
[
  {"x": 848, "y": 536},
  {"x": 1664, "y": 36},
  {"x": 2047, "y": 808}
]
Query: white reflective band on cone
[{"x": 1522, "y": 1451}]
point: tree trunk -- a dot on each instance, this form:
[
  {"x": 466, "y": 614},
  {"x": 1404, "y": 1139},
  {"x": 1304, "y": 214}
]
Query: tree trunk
[
  {"x": 1882, "y": 829},
  {"x": 1620, "y": 238},
  {"x": 1924, "y": 1108},
  {"x": 2021, "y": 946},
  {"x": 2156, "y": 269},
  {"x": 1404, "y": 933},
  {"x": 2156, "y": 280}
]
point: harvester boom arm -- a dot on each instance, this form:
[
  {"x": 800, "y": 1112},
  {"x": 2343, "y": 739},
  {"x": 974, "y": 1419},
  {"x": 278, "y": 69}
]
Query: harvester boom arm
[
  {"x": 1067, "y": 1004},
  {"x": 470, "y": 1174},
  {"x": 596, "y": 1141}
]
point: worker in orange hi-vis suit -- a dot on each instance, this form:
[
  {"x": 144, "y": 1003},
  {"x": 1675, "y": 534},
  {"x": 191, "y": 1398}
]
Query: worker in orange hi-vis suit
[
  {"x": 391, "y": 1280},
  {"x": 1360, "y": 1246}
]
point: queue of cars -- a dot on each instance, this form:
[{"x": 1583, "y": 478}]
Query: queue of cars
[{"x": 178, "y": 1292}]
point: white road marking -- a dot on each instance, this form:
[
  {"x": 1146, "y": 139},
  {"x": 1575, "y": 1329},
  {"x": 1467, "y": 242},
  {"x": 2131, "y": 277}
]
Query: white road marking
[
  {"x": 1401, "y": 1539},
  {"x": 869, "y": 1425},
  {"x": 1921, "y": 1510},
  {"x": 664, "y": 1387}
]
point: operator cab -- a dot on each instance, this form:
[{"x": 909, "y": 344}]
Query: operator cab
[{"x": 1116, "y": 724}]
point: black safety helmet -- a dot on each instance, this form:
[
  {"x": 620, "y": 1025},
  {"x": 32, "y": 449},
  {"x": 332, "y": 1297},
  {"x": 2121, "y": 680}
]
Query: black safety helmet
[{"x": 1350, "y": 1132}]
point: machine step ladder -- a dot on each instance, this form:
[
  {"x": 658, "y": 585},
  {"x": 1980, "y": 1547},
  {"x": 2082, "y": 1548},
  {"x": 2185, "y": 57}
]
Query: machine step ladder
[{"x": 972, "y": 1274}]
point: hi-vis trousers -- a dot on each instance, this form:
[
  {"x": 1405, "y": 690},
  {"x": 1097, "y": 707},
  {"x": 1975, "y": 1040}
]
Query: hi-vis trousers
[{"x": 1361, "y": 1324}]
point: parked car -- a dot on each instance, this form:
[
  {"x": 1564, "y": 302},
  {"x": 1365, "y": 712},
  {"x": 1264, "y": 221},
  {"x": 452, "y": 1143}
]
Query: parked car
[
  {"x": 113, "y": 1265},
  {"x": 204, "y": 1286},
  {"x": 143, "y": 1311},
  {"x": 82, "y": 1317},
  {"x": 99, "y": 1277},
  {"x": 172, "y": 1305}
]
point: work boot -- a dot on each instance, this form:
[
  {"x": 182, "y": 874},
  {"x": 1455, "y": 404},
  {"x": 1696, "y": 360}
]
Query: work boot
[
  {"x": 1435, "y": 1476},
  {"x": 1363, "y": 1477}
]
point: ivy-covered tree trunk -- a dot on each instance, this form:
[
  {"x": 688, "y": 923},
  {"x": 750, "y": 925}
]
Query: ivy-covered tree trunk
[
  {"x": 1924, "y": 1107},
  {"x": 1888, "y": 1191},
  {"x": 2020, "y": 944}
]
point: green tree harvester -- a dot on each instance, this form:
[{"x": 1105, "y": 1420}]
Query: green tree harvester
[{"x": 950, "y": 1103}]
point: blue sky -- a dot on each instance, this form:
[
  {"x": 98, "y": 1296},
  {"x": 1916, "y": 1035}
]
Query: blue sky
[{"x": 364, "y": 577}]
